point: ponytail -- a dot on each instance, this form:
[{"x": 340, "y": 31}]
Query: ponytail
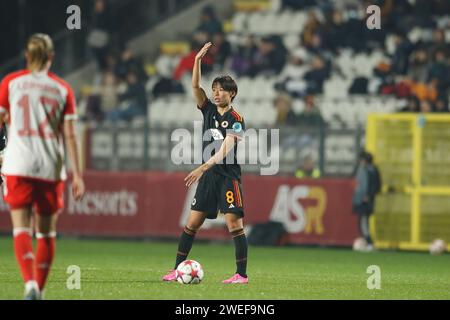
[{"x": 39, "y": 51}]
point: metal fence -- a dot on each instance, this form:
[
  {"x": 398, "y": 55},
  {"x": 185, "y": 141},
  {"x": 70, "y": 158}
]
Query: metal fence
[
  {"x": 125, "y": 147},
  {"x": 412, "y": 152}
]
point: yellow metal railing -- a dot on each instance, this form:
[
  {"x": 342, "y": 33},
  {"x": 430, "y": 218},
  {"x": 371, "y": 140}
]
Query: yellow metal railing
[{"x": 413, "y": 154}]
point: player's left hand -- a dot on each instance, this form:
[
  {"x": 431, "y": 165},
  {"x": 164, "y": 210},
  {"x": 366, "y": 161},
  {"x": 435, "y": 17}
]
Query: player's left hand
[
  {"x": 194, "y": 176},
  {"x": 78, "y": 188}
]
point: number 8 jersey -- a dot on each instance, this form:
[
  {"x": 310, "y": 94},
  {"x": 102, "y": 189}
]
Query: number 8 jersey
[{"x": 37, "y": 104}]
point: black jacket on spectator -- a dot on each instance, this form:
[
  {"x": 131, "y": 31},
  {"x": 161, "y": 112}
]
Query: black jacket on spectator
[
  {"x": 136, "y": 95},
  {"x": 273, "y": 62}
]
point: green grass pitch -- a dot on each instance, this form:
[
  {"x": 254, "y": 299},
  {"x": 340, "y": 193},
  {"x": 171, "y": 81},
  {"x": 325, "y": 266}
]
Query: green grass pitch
[{"x": 132, "y": 270}]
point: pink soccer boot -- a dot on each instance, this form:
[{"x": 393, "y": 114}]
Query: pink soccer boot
[
  {"x": 170, "y": 276},
  {"x": 237, "y": 278}
]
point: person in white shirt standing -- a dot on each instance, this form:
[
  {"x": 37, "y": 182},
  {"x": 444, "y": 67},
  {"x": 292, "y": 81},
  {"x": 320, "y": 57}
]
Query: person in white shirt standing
[{"x": 41, "y": 113}]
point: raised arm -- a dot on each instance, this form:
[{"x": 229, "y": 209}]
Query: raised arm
[{"x": 199, "y": 93}]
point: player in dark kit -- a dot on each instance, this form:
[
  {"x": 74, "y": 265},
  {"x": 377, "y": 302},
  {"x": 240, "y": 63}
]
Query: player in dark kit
[{"x": 219, "y": 178}]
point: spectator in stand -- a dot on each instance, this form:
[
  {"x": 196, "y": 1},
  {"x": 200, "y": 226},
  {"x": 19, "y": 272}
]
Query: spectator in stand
[
  {"x": 383, "y": 74},
  {"x": 108, "y": 92},
  {"x": 291, "y": 78},
  {"x": 334, "y": 32},
  {"x": 439, "y": 43},
  {"x": 163, "y": 82},
  {"x": 242, "y": 59},
  {"x": 187, "y": 62},
  {"x": 93, "y": 108},
  {"x": 439, "y": 72},
  {"x": 310, "y": 35},
  {"x": 127, "y": 63},
  {"x": 355, "y": 28},
  {"x": 209, "y": 22},
  {"x": 319, "y": 72},
  {"x": 418, "y": 65},
  {"x": 285, "y": 115},
  {"x": 102, "y": 31},
  {"x": 220, "y": 51},
  {"x": 104, "y": 98},
  {"x": 308, "y": 168},
  {"x": 425, "y": 92},
  {"x": 270, "y": 57},
  {"x": 134, "y": 99},
  {"x": 401, "y": 55},
  {"x": 310, "y": 117}
]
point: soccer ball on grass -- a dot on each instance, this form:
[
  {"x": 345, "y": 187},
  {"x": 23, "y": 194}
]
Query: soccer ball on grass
[
  {"x": 189, "y": 272},
  {"x": 438, "y": 246}
]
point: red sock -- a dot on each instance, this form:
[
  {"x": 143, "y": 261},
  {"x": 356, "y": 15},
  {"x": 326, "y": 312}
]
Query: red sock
[
  {"x": 44, "y": 257},
  {"x": 23, "y": 248}
]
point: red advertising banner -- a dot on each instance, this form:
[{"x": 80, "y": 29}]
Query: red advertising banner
[{"x": 153, "y": 204}]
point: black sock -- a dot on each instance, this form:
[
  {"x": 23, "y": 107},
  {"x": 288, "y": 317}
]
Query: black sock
[
  {"x": 185, "y": 245},
  {"x": 241, "y": 247}
]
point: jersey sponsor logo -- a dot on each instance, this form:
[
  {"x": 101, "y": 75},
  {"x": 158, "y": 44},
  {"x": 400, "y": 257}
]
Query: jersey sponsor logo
[
  {"x": 225, "y": 124},
  {"x": 237, "y": 127},
  {"x": 216, "y": 134}
]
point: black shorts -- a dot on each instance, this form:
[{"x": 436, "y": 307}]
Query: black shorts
[{"x": 217, "y": 192}]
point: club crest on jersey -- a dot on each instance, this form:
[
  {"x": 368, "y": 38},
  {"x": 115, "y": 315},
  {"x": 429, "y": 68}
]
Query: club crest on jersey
[
  {"x": 225, "y": 124},
  {"x": 237, "y": 127}
]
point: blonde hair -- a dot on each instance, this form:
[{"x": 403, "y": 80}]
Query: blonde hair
[{"x": 39, "y": 51}]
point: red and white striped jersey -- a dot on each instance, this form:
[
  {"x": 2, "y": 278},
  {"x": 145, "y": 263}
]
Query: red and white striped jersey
[{"x": 38, "y": 104}]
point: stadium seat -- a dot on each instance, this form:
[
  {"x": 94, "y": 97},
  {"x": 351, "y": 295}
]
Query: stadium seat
[
  {"x": 240, "y": 22},
  {"x": 255, "y": 20},
  {"x": 298, "y": 22},
  {"x": 291, "y": 41}
]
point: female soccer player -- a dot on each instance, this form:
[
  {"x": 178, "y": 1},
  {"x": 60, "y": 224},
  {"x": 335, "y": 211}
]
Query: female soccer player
[
  {"x": 219, "y": 178},
  {"x": 41, "y": 109}
]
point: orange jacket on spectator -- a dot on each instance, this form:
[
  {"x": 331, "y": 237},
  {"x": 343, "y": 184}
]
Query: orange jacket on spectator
[{"x": 424, "y": 92}]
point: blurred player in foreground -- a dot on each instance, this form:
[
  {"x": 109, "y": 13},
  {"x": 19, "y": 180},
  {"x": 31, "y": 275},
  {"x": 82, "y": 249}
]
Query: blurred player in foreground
[
  {"x": 219, "y": 178},
  {"x": 2, "y": 146},
  {"x": 41, "y": 115}
]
